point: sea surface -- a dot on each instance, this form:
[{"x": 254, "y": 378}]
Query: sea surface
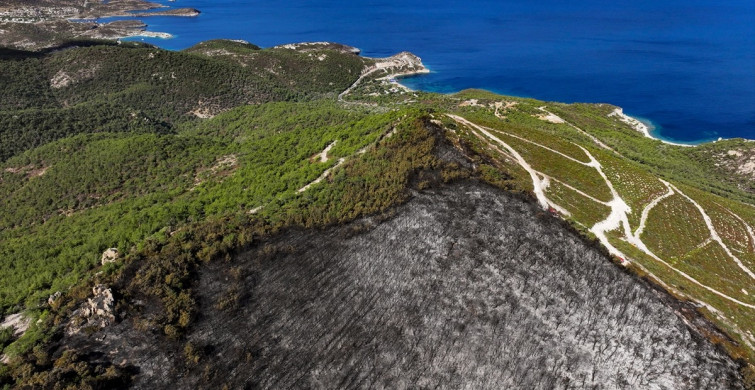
[{"x": 686, "y": 66}]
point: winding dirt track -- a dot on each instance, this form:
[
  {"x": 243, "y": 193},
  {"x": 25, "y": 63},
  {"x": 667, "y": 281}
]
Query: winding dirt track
[
  {"x": 714, "y": 234},
  {"x": 618, "y": 218},
  {"x": 650, "y": 206},
  {"x": 539, "y": 185}
]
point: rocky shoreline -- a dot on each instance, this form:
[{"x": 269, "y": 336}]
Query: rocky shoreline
[{"x": 641, "y": 127}]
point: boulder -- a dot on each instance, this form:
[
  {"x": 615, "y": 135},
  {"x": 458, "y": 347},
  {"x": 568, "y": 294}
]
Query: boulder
[
  {"x": 54, "y": 297},
  {"x": 110, "y": 256}
]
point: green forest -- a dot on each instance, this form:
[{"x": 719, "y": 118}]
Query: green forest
[{"x": 131, "y": 88}]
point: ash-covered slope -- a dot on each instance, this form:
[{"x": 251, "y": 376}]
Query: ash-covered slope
[{"x": 466, "y": 287}]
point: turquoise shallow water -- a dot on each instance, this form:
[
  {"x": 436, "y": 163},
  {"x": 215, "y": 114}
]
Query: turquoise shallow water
[{"x": 688, "y": 66}]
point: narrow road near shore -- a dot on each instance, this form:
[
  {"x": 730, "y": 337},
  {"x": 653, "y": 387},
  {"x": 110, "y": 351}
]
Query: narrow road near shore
[{"x": 365, "y": 73}]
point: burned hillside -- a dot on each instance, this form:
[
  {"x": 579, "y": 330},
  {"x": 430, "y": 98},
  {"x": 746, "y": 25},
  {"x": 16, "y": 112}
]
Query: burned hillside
[{"x": 465, "y": 287}]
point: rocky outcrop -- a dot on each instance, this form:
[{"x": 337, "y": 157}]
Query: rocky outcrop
[
  {"x": 75, "y": 74},
  {"x": 60, "y": 80},
  {"x": 734, "y": 159},
  {"x": 109, "y": 256},
  {"x": 18, "y": 322},
  {"x": 95, "y": 313},
  {"x": 397, "y": 65},
  {"x": 740, "y": 161},
  {"x": 53, "y": 297}
]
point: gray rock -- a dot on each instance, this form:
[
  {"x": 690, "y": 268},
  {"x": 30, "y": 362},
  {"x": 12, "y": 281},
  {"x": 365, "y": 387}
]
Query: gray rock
[
  {"x": 53, "y": 297},
  {"x": 110, "y": 256},
  {"x": 96, "y": 312}
]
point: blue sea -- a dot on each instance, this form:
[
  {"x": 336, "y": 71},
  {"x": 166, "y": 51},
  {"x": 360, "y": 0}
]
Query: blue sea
[{"x": 686, "y": 66}]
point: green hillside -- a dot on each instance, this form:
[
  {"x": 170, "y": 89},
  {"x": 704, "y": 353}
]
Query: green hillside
[{"x": 130, "y": 87}]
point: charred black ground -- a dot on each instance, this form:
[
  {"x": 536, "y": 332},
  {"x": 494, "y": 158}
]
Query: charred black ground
[{"x": 466, "y": 287}]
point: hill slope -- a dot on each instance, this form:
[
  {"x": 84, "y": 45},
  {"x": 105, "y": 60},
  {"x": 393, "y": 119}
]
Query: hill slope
[
  {"x": 210, "y": 203},
  {"x": 131, "y": 87},
  {"x": 443, "y": 294}
]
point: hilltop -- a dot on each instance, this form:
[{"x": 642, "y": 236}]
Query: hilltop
[{"x": 293, "y": 216}]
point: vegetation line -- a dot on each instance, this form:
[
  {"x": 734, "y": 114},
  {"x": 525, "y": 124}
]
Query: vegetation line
[{"x": 721, "y": 317}]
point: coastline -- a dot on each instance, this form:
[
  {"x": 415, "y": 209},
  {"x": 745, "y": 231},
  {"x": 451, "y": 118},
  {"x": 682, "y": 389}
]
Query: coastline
[
  {"x": 396, "y": 77},
  {"x": 640, "y": 126},
  {"x": 122, "y": 29},
  {"x": 399, "y": 77},
  {"x": 679, "y": 118},
  {"x": 148, "y": 34},
  {"x": 644, "y": 128}
]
